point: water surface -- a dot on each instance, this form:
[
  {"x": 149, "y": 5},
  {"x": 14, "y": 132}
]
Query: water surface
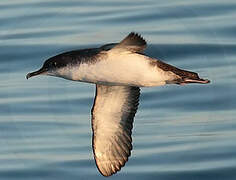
[{"x": 180, "y": 132}]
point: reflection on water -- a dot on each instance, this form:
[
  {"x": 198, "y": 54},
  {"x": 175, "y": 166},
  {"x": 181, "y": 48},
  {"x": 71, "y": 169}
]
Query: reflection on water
[{"x": 180, "y": 132}]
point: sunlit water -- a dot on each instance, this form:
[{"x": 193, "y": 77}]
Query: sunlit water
[{"x": 180, "y": 132}]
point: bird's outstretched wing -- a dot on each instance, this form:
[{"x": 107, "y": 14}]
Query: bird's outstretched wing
[{"x": 113, "y": 112}]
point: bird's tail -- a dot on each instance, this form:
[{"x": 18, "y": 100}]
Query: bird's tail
[
  {"x": 182, "y": 77},
  {"x": 187, "y": 77}
]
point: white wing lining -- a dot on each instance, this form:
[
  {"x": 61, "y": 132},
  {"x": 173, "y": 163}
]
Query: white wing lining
[{"x": 112, "y": 122}]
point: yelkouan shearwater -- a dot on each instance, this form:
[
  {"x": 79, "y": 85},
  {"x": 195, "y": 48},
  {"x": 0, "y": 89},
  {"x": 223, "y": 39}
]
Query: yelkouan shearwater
[{"x": 118, "y": 70}]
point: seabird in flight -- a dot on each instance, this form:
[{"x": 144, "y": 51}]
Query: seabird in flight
[{"x": 118, "y": 70}]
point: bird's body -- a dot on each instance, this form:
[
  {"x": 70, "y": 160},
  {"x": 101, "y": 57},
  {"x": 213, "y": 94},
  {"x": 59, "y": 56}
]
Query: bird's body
[
  {"x": 118, "y": 70},
  {"x": 115, "y": 67}
]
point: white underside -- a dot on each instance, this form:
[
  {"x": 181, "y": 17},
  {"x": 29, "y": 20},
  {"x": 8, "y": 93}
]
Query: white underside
[{"x": 119, "y": 68}]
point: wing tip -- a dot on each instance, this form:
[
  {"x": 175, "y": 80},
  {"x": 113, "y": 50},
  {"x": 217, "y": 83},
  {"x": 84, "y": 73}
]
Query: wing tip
[
  {"x": 111, "y": 168},
  {"x": 135, "y": 35},
  {"x": 106, "y": 173},
  {"x": 133, "y": 42}
]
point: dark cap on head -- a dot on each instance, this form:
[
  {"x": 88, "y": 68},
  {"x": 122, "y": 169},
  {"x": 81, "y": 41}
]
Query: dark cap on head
[{"x": 50, "y": 65}]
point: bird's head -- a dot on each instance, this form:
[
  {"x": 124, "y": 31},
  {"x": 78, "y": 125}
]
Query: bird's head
[{"x": 54, "y": 66}]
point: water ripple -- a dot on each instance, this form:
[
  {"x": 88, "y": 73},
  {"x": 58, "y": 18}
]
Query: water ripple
[{"x": 180, "y": 132}]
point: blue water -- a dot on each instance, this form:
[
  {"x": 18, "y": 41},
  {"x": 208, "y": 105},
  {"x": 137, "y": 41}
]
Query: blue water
[{"x": 180, "y": 132}]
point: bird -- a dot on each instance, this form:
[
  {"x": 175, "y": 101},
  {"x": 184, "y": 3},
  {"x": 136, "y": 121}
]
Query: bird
[{"x": 118, "y": 70}]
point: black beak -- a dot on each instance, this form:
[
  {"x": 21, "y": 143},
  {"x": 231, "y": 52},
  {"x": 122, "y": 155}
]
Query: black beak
[{"x": 40, "y": 71}]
